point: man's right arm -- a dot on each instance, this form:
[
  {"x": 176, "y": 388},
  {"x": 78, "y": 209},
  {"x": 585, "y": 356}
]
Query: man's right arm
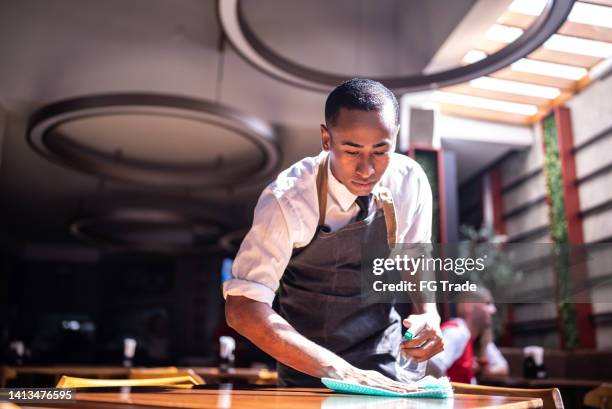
[
  {"x": 258, "y": 322},
  {"x": 256, "y": 272},
  {"x": 274, "y": 335}
]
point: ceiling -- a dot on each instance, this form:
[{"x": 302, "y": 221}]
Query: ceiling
[
  {"x": 563, "y": 65},
  {"x": 51, "y": 51}
]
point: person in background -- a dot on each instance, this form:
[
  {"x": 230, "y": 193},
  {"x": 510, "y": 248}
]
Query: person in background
[{"x": 469, "y": 348}]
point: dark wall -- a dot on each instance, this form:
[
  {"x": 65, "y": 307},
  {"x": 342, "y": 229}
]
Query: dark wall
[{"x": 81, "y": 312}]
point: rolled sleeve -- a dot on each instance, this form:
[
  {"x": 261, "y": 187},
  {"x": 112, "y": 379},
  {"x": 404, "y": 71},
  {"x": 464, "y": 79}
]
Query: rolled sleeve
[
  {"x": 249, "y": 289},
  {"x": 264, "y": 253}
]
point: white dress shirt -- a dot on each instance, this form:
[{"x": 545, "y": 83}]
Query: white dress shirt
[{"x": 287, "y": 214}]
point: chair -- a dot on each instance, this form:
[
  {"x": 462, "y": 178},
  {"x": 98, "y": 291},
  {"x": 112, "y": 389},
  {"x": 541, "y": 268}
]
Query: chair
[
  {"x": 551, "y": 398},
  {"x": 600, "y": 397},
  {"x": 181, "y": 381},
  {"x": 165, "y": 372}
]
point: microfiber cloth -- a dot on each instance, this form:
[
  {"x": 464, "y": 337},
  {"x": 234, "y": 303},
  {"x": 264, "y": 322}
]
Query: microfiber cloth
[{"x": 428, "y": 387}]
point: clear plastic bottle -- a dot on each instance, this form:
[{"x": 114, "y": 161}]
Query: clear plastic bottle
[{"x": 408, "y": 369}]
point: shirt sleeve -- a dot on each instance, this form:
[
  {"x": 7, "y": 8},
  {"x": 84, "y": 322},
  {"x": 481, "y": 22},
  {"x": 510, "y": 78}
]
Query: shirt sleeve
[
  {"x": 455, "y": 341},
  {"x": 419, "y": 224},
  {"x": 494, "y": 357},
  {"x": 263, "y": 255}
]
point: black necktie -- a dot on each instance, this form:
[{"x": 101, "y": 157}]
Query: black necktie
[{"x": 364, "y": 203}]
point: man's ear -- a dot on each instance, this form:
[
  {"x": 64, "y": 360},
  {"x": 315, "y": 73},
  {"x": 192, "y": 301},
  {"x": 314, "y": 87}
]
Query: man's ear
[
  {"x": 395, "y": 139},
  {"x": 325, "y": 138}
]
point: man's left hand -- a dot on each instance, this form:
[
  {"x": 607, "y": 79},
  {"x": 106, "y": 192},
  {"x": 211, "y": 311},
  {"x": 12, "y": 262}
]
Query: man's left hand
[{"x": 428, "y": 340}]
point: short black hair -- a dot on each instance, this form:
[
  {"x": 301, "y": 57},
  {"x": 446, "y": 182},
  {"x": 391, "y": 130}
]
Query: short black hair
[{"x": 361, "y": 94}]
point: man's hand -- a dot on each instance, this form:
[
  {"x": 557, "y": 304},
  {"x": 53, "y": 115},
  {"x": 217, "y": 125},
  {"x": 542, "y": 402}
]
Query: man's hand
[
  {"x": 428, "y": 340},
  {"x": 373, "y": 378}
]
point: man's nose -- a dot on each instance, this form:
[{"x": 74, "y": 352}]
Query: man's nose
[{"x": 365, "y": 167}]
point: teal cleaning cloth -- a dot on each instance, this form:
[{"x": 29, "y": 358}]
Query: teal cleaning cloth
[{"x": 428, "y": 387}]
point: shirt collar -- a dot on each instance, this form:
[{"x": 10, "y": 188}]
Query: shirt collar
[{"x": 340, "y": 193}]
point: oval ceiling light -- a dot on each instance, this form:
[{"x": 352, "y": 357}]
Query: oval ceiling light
[
  {"x": 156, "y": 139},
  {"x": 149, "y": 230},
  {"x": 263, "y": 57}
]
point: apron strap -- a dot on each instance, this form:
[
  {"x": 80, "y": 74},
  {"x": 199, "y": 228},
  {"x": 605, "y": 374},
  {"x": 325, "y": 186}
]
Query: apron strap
[
  {"x": 322, "y": 189},
  {"x": 384, "y": 199}
]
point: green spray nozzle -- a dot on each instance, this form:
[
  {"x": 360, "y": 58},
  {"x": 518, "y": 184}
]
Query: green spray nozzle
[{"x": 408, "y": 336}]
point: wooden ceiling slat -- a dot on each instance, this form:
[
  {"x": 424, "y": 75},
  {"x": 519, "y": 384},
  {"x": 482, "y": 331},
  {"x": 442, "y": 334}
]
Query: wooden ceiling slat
[
  {"x": 485, "y": 114},
  {"x": 523, "y": 21},
  {"x": 508, "y": 74},
  {"x": 568, "y": 87},
  {"x": 568, "y": 28},
  {"x": 466, "y": 89},
  {"x": 559, "y": 57},
  {"x": 600, "y": 2},
  {"x": 543, "y": 54},
  {"x": 587, "y": 31},
  {"x": 490, "y": 46}
]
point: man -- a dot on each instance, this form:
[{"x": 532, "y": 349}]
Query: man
[
  {"x": 469, "y": 348},
  {"x": 306, "y": 239}
]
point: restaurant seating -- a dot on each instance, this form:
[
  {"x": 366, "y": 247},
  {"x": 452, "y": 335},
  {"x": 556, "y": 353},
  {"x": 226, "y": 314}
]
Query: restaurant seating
[
  {"x": 164, "y": 372},
  {"x": 551, "y": 397},
  {"x": 178, "y": 381},
  {"x": 562, "y": 364},
  {"x": 600, "y": 397}
]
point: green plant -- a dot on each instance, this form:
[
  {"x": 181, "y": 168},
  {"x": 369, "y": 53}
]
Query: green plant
[
  {"x": 429, "y": 162},
  {"x": 559, "y": 230}
]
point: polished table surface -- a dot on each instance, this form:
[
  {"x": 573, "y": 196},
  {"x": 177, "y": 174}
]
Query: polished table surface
[
  {"x": 210, "y": 374},
  {"x": 279, "y": 398}
]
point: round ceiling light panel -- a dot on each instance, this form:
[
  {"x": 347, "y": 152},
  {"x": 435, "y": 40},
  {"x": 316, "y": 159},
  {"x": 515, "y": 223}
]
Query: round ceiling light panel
[
  {"x": 407, "y": 45},
  {"x": 157, "y": 140},
  {"x": 150, "y": 230}
]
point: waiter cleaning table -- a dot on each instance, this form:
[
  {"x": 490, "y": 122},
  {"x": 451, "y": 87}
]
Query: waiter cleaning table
[{"x": 305, "y": 247}]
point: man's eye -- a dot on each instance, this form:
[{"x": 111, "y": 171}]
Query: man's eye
[
  {"x": 351, "y": 152},
  {"x": 380, "y": 153}
]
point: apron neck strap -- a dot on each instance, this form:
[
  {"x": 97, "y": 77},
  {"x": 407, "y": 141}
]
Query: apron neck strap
[
  {"x": 384, "y": 199},
  {"x": 322, "y": 189}
]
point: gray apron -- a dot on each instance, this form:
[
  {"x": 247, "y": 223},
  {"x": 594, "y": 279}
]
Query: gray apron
[{"x": 320, "y": 293}]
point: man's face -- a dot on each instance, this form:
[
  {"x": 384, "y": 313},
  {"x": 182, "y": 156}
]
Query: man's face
[
  {"x": 360, "y": 144},
  {"x": 483, "y": 312}
]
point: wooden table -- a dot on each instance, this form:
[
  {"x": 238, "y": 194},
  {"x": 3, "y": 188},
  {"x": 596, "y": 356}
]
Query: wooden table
[
  {"x": 539, "y": 383},
  {"x": 572, "y": 390},
  {"x": 279, "y": 398},
  {"x": 210, "y": 374}
]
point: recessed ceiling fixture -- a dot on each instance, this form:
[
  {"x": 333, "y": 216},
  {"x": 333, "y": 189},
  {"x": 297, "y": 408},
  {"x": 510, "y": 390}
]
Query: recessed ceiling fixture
[
  {"x": 549, "y": 69},
  {"x": 529, "y": 7},
  {"x": 503, "y": 34},
  {"x": 515, "y": 87},
  {"x": 484, "y": 103},
  {"x": 577, "y": 45},
  {"x": 156, "y": 139},
  {"x": 148, "y": 230},
  {"x": 556, "y": 42},
  {"x": 263, "y": 57},
  {"x": 474, "y": 55},
  {"x": 583, "y": 13}
]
